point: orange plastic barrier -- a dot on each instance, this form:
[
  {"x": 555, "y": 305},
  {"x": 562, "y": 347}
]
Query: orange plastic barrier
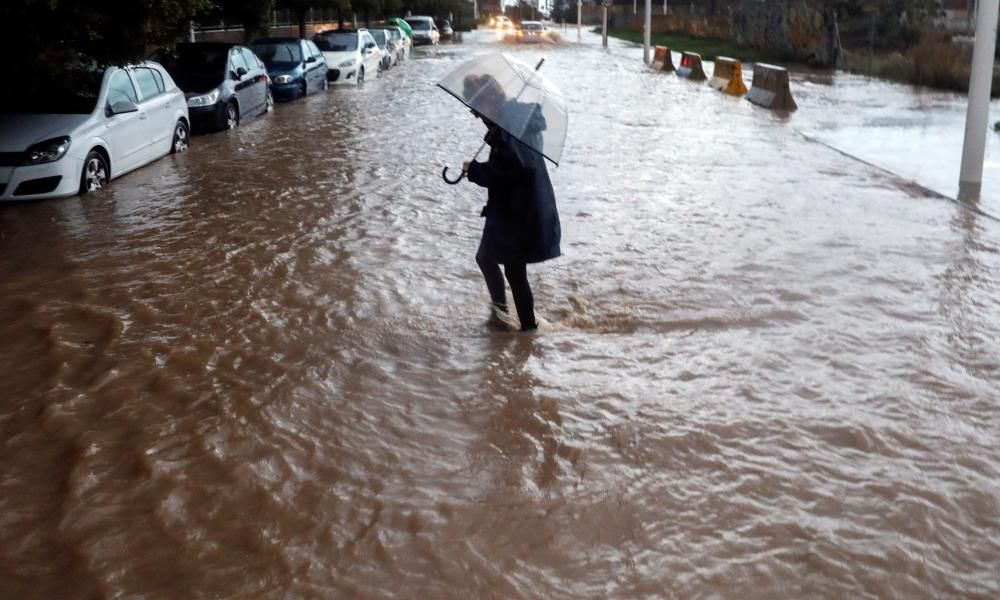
[
  {"x": 770, "y": 88},
  {"x": 690, "y": 67},
  {"x": 728, "y": 76},
  {"x": 662, "y": 59}
]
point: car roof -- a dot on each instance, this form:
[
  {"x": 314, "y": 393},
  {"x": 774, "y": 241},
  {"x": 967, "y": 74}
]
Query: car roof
[
  {"x": 209, "y": 44},
  {"x": 277, "y": 40}
]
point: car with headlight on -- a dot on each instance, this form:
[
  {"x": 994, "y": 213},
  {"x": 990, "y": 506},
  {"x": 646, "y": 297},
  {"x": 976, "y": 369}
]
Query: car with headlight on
[
  {"x": 225, "y": 84},
  {"x": 296, "y": 67},
  {"x": 75, "y": 133},
  {"x": 351, "y": 55}
]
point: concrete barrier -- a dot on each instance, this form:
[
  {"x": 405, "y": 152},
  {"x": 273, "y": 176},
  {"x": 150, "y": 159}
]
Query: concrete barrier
[
  {"x": 770, "y": 88},
  {"x": 690, "y": 67},
  {"x": 728, "y": 76},
  {"x": 662, "y": 59}
]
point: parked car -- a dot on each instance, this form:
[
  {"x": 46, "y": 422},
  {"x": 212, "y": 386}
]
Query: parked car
[
  {"x": 296, "y": 67},
  {"x": 531, "y": 32},
  {"x": 424, "y": 30},
  {"x": 403, "y": 42},
  {"x": 444, "y": 26},
  {"x": 351, "y": 55},
  {"x": 384, "y": 42},
  {"x": 225, "y": 84},
  {"x": 74, "y": 135}
]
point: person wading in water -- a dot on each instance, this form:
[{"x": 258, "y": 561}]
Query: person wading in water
[{"x": 522, "y": 223}]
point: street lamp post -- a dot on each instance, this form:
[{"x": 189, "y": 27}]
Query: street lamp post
[
  {"x": 579, "y": 13},
  {"x": 970, "y": 180}
]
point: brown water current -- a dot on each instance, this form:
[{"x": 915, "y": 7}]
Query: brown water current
[{"x": 263, "y": 368}]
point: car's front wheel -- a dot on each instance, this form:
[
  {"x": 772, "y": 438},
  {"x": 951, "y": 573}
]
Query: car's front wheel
[
  {"x": 361, "y": 76},
  {"x": 326, "y": 84},
  {"x": 180, "y": 143},
  {"x": 232, "y": 116},
  {"x": 269, "y": 102},
  {"x": 95, "y": 172}
]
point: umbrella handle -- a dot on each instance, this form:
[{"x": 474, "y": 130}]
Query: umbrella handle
[{"x": 444, "y": 175}]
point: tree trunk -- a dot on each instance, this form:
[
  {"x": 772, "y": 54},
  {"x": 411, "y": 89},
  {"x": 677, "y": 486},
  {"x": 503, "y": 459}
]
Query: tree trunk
[
  {"x": 340, "y": 18},
  {"x": 301, "y": 14}
]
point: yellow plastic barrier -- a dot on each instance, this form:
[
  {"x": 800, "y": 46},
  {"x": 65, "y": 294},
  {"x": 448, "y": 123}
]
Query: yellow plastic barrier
[
  {"x": 662, "y": 59},
  {"x": 770, "y": 88},
  {"x": 728, "y": 76},
  {"x": 690, "y": 67}
]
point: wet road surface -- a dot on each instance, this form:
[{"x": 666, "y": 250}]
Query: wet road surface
[{"x": 263, "y": 368}]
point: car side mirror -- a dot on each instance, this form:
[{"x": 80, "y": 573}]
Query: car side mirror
[
  {"x": 240, "y": 72},
  {"x": 311, "y": 59},
  {"x": 370, "y": 45},
  {"x": 124, "y": 106}
]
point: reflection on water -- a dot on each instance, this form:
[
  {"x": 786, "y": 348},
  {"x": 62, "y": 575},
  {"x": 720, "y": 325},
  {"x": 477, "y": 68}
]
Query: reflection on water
[{"x": 264, "y": 368}]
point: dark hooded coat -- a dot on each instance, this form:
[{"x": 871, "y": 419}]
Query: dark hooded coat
[{"x": 522, "y": 223}]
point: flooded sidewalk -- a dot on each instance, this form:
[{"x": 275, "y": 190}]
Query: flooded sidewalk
[{"x": 263, "y": 368}]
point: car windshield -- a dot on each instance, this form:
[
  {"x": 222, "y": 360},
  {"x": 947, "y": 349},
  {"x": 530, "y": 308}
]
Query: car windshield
[
  {"x": 278, "y": 52},
  {"x": 72, "y": 91},
  {"x": 395, "y": 34},
  {"x": 337, "y": 42},
  {"x": 379, "y": 36},
  {"x": 419, "y": 25}
]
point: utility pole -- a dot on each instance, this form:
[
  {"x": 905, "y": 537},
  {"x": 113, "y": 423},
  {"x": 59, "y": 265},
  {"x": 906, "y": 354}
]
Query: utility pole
[
  {"x": 970, "y": 180},
  {"x": 475, "y": 10},
  {"x": 604, "y": 23},
  {"x": 646, "y": 33},
  {"x": 579, "y": 12}
]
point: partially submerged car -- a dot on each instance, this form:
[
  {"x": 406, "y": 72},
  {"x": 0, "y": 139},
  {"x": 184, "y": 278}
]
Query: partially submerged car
[{"x": 74, "y": 135}]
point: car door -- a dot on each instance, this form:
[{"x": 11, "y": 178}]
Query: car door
[
  {"x": 158, "y": 109},
  {"x": 239, "y": 73},
  {"x": 317, "y": 68},
  {"x": 258, "y": 79},
  {"x": 369, "y": 52},
  {"x": 128, "y": 132}
]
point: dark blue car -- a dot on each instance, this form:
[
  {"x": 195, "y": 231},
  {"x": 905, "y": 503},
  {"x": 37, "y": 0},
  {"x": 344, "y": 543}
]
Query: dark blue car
[{"x": 296, "y": 67}]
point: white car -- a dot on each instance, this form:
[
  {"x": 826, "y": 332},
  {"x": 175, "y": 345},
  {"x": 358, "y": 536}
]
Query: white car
[
  {"x": 425, "y": 31},
  {"x": 95, "y": 126},
  {"x": 351, "y": 55}
]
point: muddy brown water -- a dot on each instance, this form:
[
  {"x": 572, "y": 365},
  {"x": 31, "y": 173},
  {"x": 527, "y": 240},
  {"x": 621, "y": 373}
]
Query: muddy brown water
[{"x": 263, "y": 368}]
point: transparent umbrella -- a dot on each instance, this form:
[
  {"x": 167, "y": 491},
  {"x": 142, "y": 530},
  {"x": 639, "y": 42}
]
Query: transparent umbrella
[{"x": 515, "y": 97}]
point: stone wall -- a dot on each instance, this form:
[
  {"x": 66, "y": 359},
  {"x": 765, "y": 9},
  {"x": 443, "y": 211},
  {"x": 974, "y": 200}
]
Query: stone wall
[
  {"x": 805, "y": 29},
  {"x": 802, "y": 29}
]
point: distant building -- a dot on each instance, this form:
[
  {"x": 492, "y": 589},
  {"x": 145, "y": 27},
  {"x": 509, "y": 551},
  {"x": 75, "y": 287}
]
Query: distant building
[{"x": 959, "y": 15}]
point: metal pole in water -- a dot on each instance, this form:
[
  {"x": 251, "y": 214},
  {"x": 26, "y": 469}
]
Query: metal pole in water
[
  {"x": 604, "y": 25},
  {"x": 970, "y": 180},
  {"x": 579, "y": 10},
  {"x": 647, "y": 31}
]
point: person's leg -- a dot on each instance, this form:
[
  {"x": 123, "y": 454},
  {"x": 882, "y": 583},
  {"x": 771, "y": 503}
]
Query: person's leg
[
  {"x": 494, "y": 280},
  {"x": 524, "y": 302}
]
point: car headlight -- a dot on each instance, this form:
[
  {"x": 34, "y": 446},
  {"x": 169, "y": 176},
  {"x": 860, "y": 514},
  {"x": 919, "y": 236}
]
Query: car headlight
[
  {"x": 47, "y": 151},
  {"x": 347, "y": 63},
  {"x": 283, "y": 79},
  {"x": 205, "y": 99}
]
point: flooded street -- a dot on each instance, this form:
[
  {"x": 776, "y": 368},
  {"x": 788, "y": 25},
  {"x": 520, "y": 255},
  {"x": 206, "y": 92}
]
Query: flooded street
[{"x": 263, "y": 368}]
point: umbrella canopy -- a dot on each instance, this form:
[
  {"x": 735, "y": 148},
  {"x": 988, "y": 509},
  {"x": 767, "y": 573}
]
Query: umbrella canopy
[
  {"x": 515, "y": 97},
  {"x": 402, "y": 25}
]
